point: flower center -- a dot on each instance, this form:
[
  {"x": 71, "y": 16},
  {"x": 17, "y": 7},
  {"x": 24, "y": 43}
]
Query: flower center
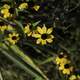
[
  {"x": 11, "y": 10},
  {"x": 66, "y": 66},
  {"x": 1, "y": 23},
  {"x": 44, "y": 36},
  {"x": 61, "y": 56},
  {"x": 14, "y": 38}
]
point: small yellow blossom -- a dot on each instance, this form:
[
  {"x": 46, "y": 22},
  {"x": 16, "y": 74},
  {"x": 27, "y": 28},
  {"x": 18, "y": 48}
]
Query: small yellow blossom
[
  {"x": 5, "y": 11},
  {"x": 66, "y": 68},
  {"x": 23, "y": 6},
  {"x": 61, "y": 58},
  {"x": 43, "y": 35},
  {"x": 13, "y": 38}
]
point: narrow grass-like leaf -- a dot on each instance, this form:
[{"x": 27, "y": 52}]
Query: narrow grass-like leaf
[
  {"x": 5, "y": 20},
  {"x": 26, "y": 59},
  {"x": 17, "y": 62},
  {"x": 36, "y": 23},
  {"x": 19, "y": 27}
]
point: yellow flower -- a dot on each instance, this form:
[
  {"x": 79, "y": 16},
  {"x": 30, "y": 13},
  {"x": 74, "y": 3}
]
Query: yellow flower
[
  {"x": 5, "y": 11},
  {"x": 74, "y": 77},
  {"x": 61, "y": 59},
  {"x": 23, "y": 6},
  {"x": 13, "y": 38},
  {"x": 36, "y": 7},
  {"x": 27, "y": 30},
  {"x": 43, "y": 35},
  {"x": 66, "y": 68}
]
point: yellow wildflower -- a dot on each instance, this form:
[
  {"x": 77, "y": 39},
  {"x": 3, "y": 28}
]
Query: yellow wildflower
[
  {"x": 5, "y": 11},
  {"x": 43, "y": 35},
  {"x": 13, "y": 38},
  {"x": 66, "y": 68},
  {"x": 61, "y": 58}
]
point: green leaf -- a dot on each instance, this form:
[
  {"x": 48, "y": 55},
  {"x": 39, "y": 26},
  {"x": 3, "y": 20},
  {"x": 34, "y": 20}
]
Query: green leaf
[
  {"x": 38, "y": 78},
  {"x": 26, "y": 59},
  {"x": 7, "y": 21},
  {"x": 16, "y": 61},
  {"x": 36, "y": 23},
  {"x": 14, "y": 50},
  {"x": 19, "y": 27}
]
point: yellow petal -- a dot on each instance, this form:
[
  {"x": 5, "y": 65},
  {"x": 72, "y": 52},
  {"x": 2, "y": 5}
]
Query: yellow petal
[
  {"x": 43, "y": 42},
  {"x": 13, "y": 42},
  {"x": 61, "y": 67},
  {"x": 23, "y": 6},
  {"x": 9, "y": 27},
  {"x": 26, "y": 29},
  {"x": 3, "y": 28},
  {"x": 49, "y": 40},
  {"x": 39, "y": 30},
  {"x": 52, "y": 36},
  {"x": 10, "y": 35},
  {"x": 17, "y": 35},
  {"x": 57, "y": 60},
  {"x": 29, "y": 34},
  {"x": 49, "y": 31},
  {"x": 73, "y": 77},
  {"x": 6, "y": 6},
  {"x": 14, "y": 34},
  {"x": 4, "y": 11},
  {"x": 36, "y": 7},
  {"x": 44, "y": 28},
  {"x": 66, "y": 71},
  {"x": 38, "y": 41},
  {"x": 6, "y": 15},
  {"x": 36, "y": 35},
  {"x": 78, "y": 76}
]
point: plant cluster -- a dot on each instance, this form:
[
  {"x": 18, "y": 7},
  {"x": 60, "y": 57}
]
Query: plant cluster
[{"x": 41, "y": 38}]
